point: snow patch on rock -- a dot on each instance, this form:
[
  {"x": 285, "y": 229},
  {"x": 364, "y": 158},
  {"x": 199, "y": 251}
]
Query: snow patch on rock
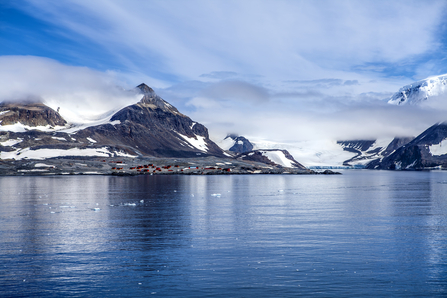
[
  {"x": 439, "y": 149},
  {"x": 198, "y": 142},
  {"x": 27, "y": 153},
  {"x": 278, "y": 157},
  {"x": 19, "y": 127},
  {"x": 10, "y": 142}
]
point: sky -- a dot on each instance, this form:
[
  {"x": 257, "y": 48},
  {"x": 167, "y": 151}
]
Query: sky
[{"x": 285, "y": 71}]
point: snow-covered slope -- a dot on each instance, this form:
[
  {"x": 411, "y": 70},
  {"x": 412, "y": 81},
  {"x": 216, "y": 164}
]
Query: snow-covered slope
[
  {"x": 273, "y": 157},
  {"x": 312, "y": 153},
  {"x": 420, "y": 91}
]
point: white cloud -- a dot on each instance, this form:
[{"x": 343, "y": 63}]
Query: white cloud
[
  {"x": 80, "y": 92},
  {"x": 277, "y": 39}
]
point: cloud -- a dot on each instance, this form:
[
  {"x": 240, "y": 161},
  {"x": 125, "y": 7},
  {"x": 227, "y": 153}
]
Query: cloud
[
  {"x": 237, "y": 91},
  {"x": 313, "y": 116},
  {"x": 80, "y": 92},
  {"x": 276, "y": 39},
  {"x": 351, "y": 82},
  {"x": 221, "y": 75},
  {"x": 226, "y": 106},
  {"x": 323, "y": 83}
]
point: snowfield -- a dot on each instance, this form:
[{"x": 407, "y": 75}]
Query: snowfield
[
  {"x": 11, "y": 142},
  {"x": 226, "y": 144},
  {"x": 315, "y": 153},
  {"x": 198, "y": 143},
  {"x": 278, "y": 157},
  {"x": 50, "y": 153},
  {"x": 19, "y": 127}
]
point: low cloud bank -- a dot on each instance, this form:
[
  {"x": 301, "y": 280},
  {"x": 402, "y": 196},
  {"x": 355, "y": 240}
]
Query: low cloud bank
[
  {"x": 81, "y": 93},
  {"x": 302, "y": 111}
]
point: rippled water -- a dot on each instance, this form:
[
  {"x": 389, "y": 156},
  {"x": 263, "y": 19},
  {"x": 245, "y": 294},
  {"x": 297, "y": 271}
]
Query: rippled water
[{"x": 364, "y": 233}]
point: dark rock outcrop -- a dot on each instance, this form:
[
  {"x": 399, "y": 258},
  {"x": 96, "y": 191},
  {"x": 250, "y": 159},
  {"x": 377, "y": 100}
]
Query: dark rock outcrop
[
  {"x": 418, "y": 154},
  {"x": 367, "y": 152},
  {"x": 29, "y": 114},
  {"x": 241, "y": 144}
]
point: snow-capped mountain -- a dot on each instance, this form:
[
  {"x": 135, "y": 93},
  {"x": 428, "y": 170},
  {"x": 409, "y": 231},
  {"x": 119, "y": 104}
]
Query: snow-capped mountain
[
  {"x": 151, "y": 127},
  {"x": 420, "y": 91}
]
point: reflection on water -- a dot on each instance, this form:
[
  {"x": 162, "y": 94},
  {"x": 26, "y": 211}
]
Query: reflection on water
[{"x": 364, "y": 233}]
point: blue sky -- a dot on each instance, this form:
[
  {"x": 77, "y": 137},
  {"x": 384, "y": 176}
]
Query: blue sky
[{"x": 229, "y": 64}]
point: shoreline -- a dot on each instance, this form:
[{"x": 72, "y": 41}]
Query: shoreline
[{"x": 125, "y": 166}]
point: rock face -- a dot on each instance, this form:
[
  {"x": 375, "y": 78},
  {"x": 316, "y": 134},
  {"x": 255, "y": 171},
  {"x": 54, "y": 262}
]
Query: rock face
[
  {"x": 241, "y": 144},
  {"x": 29, "y": 114},
  {"x": 273, "y": 157},
  {"x": 428, "y": 150},
  {"x": 151, "y": 127},
  {"x": 371, "y": 151}
]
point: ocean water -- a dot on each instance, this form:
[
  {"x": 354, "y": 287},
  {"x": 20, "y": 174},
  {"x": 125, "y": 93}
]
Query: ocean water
[{"x": 360, "y": 234}]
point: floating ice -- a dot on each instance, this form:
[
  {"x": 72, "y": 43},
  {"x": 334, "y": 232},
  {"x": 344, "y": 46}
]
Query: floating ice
[{"x": 129, "y": 204}]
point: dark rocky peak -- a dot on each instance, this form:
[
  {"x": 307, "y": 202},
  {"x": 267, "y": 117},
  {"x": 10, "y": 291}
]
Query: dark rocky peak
[
  {"x": 241, "y": 144},
  {"x": 145, "y": 89},
  {"x": 29, "y": 113},
  {"x": 152, "y": 100}
]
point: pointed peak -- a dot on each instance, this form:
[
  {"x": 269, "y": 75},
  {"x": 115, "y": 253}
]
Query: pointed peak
[{"x": 145, "y": 89}]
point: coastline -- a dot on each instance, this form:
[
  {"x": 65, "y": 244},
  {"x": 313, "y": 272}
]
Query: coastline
[{"x": 124, "y": 166}]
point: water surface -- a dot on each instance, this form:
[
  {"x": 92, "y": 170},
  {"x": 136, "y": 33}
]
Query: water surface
[{"x": 364, "y": 233}]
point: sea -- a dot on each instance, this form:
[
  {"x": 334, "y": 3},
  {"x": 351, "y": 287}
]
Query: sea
[{"x": 360, "y": 234}]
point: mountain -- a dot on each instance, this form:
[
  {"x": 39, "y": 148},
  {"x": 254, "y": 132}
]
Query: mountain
[
  {"x": 420, "y": 91},
  {"x": 272, "y": 157},
  {"x": 426, "y": 151},
  {"x": 236, "y": 144},
  {"x": 154, "y": 127},
  {"x": 151, "y": 127},
  {"x": 368, "y": 151}
]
